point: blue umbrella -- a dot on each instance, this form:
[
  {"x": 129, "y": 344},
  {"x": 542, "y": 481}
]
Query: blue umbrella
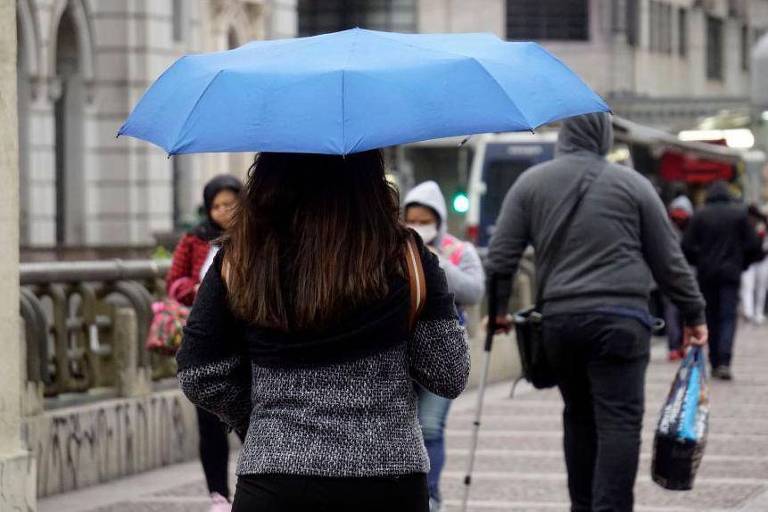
[{"x": 355, "y": 90}]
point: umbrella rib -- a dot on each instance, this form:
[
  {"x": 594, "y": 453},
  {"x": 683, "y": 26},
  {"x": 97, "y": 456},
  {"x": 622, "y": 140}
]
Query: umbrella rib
[
  {"x": 183, "y": 127},
  {"x": 449, "y": 52},
  {"x": 511, "y": 101},
  {"x": 474, "y": 59},
  {"x": 352, "y": 48}
]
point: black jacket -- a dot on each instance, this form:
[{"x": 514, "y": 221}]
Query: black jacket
[{"x": 720, "y": 241}]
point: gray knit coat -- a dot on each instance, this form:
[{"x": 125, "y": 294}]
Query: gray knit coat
[{"x": 355, "y": 417}]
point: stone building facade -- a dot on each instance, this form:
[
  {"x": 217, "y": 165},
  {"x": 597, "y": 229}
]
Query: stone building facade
[
  {"x": 662, "y": 62},
  {"x": 82, "y": 65}
]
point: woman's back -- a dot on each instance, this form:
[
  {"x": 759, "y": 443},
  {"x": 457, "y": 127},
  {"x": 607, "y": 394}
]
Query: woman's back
[
  {"x": 339, "y": 403},
  {"x": 299, "y": 338}
]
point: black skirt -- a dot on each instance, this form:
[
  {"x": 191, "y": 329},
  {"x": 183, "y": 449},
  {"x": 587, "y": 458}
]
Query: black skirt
[{"x": 288, "y": 493}]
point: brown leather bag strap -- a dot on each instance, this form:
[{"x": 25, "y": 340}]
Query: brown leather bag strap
[{"x": 416, "y": 280}]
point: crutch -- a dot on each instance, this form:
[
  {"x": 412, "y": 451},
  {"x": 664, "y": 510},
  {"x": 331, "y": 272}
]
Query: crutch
[{"x": 492, "y": 286}]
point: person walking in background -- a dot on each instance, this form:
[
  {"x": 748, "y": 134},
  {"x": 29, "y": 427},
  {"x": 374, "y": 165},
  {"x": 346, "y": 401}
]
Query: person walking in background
[
  {"x": 721, "y": 243},
  {"x": 300, "y": 339},
  {"x": 754, "y": 281},
  {"x": 191, "y": 260},
  {"x": 596, "y": 324},
  {"x": 680, "y": 213},
  {"x": 426, "y": 213}
]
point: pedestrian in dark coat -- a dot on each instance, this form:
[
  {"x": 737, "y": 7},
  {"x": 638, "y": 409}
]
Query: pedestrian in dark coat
[
  {"x": 721, "y": 243},
  {"x": 596, "y": 326}
]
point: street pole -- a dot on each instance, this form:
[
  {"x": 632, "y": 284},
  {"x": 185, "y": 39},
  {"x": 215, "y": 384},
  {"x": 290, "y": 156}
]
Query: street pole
[{"x": 17, "y": 468}]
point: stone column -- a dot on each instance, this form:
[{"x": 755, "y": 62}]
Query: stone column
[{"x": 17, "y": 468}]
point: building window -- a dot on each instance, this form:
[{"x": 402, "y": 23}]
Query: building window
[
  {"x": 660, "y": 27},
  {"x": 714, "y": 48},
  {"x": 316, "y": 17},
  {"x": 682, "y": 32},
  {"x": 555, "y": 20},
  {"x": 633, "y": 22},
  {"x": 745, "y": 47},
  {"x": 177, "y": 17},
  {"x": 625, "y": 19},
  {"x": 653, "y": 35}
]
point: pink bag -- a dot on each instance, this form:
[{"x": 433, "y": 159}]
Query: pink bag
[{"x": 167, "y": 327}]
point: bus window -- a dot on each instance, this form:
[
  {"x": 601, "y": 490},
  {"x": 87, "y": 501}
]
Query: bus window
[{"x": 499, "y": 176}]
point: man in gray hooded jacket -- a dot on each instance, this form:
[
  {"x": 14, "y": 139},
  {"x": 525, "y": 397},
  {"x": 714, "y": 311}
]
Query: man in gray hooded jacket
[{"x": 596, "y": 327}]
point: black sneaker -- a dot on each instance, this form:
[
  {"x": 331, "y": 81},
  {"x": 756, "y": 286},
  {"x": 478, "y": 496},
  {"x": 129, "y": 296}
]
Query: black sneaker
[{"x": 722, "y": 373}]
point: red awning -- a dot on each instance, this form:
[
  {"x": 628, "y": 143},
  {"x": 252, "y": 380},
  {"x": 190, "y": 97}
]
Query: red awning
[{"x": 677, "y": 166}]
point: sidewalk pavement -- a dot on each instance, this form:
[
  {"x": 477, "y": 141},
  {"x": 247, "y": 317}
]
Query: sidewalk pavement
[{"x": 520, "y": 465}]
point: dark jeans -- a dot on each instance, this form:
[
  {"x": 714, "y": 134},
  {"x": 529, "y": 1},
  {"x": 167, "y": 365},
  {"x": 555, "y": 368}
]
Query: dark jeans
[
  {"x": 600, "y": 362},
  {"x": 722, "y": 308},
  {"x": 433, "y": 412},
  {"x": 288, "y": 493},
  {"x": 214, "y": 452}
]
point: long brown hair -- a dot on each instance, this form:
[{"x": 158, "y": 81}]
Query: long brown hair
[{"x": 311, "y": 237}]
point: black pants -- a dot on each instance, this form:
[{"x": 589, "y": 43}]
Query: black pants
[
  {"x": 288, "y": 493},
  {"x": 600, "y": 361},
  {"x": 722, "y": 308},
  {"x": 214, "y": 452}
]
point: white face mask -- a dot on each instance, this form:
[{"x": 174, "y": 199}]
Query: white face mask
[{"x": 427, "y": 232}]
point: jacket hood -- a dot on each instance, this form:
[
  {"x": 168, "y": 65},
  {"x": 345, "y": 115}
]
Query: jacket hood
[
  {"x": 682, "y": 203},
  {"x": 429, "y": 194},
  {"x": 719, "y": 193},
  {"x": 592, "y": 133}
]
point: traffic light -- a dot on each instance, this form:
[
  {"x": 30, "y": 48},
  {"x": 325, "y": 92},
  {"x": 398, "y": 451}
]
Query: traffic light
[{"x": 460, "y": 202}]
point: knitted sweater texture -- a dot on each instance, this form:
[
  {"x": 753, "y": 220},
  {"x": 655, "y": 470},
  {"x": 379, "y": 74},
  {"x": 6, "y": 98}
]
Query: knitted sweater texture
[{"x": 354, "y": 417}]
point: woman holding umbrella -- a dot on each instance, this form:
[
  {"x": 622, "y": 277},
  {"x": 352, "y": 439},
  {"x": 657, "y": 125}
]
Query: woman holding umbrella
[
  {"x": 300, "y": 336},
  {"x": 300, "y": 340},
  {"x": 191, "y": 260}
]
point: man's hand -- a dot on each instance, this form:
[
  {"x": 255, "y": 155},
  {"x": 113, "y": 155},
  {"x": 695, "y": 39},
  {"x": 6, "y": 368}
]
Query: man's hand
[
  {"x": 696, "y": 336},
  {"x": 504, "y": 324}
]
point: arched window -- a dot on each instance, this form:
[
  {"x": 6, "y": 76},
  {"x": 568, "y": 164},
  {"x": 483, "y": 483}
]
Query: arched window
[
  {"x": 24, "y": 97},
  {"x": 68, "y": 116}
]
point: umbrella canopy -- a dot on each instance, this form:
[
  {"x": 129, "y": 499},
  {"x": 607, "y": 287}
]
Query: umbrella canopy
[{"x": 355, "y": 90}]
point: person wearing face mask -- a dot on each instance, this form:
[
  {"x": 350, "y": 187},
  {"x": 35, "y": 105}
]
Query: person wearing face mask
[
  {"x": 426, "y": 213},
  {"x": 192, "y": 258}
]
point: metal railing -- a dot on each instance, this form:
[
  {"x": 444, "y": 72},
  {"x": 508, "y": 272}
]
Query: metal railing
[{"x": 69, "y": 311}]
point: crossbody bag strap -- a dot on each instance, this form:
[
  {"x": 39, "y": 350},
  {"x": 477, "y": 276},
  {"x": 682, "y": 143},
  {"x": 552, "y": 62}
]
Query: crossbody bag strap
[
  {"x": 559, "y": 235},
  {"x": 416, "y": 281}
]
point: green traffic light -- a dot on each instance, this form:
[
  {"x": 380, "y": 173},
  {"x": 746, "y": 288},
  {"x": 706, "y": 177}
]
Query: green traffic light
[{"x": 460, "y": 202}]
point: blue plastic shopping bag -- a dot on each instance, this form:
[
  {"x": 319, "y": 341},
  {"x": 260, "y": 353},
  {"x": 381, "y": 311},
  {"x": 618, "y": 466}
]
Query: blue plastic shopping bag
[{"x": 681, "y": 433}]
